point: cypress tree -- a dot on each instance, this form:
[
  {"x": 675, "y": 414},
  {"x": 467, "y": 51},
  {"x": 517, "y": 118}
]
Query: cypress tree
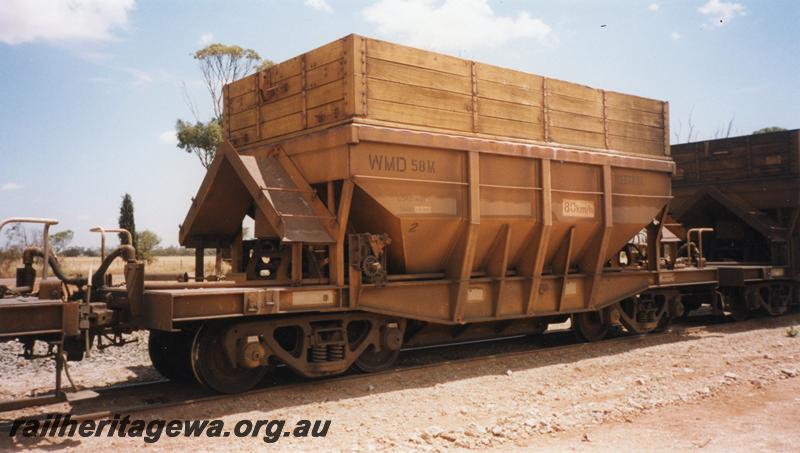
[{"x": 126, "y": 220}]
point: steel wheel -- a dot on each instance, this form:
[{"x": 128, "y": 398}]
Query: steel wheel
[
  {"x": 645, "y": 313},
  {"x": 170, "y": 354},
  {"x": 774, "y": 298},
  {"x": 371, "y": 361},
  {"x": 590, "y": 325},
  {"x": 212, "y": 369},
  {"x": 737, "y": 304},
  {"x": 391, "y": 338}
]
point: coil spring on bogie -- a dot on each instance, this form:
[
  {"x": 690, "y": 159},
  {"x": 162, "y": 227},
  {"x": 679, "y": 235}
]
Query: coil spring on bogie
[
  {"x": 319, "y": 354},
  {"x": 335, "y": 352}
]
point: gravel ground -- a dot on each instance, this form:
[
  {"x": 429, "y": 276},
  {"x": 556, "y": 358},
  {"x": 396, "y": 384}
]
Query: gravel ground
[
  {"x": 599, "y": 397},
  {"x": 128, "y": 363}
]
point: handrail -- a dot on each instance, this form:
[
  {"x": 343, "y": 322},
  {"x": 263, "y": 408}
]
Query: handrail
[
  {"x": 45, "y": 240},
  {"x": 699, "y": 232},
  {"x": 103, "y": 232}
]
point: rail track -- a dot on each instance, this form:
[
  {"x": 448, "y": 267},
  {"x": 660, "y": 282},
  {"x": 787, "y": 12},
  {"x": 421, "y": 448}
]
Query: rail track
[{"x": 137, "y": 397}]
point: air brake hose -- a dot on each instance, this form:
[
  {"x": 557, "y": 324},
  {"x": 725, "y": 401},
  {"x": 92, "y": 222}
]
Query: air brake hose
[
  {"x": 33, "y": 252},
  {"x": 125, "y": 251}
]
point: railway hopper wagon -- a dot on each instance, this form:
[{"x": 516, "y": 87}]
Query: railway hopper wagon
[
  {"x": 399, "y": 198},
  {"x": 744, "y": 192}
]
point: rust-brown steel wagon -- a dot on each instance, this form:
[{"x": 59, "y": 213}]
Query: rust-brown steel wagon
[{"x": 402, "y": 197}]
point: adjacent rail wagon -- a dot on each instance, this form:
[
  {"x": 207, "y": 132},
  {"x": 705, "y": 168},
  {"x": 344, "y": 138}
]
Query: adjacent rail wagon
[
  {"x": 399, "y": 197},
  {"x": 745, "y": 193}
]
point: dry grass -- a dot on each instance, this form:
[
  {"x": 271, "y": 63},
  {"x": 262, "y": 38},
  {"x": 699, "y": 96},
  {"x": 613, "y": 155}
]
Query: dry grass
[{"x": 160, "y": 265}]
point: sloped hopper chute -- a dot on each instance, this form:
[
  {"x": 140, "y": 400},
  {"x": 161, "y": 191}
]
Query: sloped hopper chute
[
  {"x": 695, "y": 212},
  {"x": 268, "y": 180}
]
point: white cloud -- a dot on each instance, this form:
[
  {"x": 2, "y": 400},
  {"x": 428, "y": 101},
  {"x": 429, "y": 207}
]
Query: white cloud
[
  {"x": 675, "y": 36},
  {"x": 139, "y": 77},
  {"x": 452, "y": 25},
  {"x": 720, "y": 13},
  {"x": 654, "y": 7},
  {"x": 319, "y": 5},
  {"x": 9, "y": 186},
  {"x": 24, "y": 21},
  {"x": 206, "y": 38},
  {"x": 168, "y": 138}
]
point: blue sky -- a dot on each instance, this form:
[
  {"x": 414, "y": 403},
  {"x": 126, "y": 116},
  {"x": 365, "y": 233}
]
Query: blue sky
[{"x": 90, "y": 89}]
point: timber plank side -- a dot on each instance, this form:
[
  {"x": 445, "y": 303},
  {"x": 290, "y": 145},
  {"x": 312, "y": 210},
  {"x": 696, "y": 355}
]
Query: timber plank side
[
  {"x": 577, "y": 137},
  {"x": 635, "y": 117},
  {"x": 510, "y": 93},
  {"x": 503, "y": 76},
  {"x": 636, "y": 131},
  {"x": 396, "y": 72},
  {"x": 394, "y": 84},
  {"x": 508, "y": 110},
  {"x": 575, "y": 105},
  {"x": 628, "y": 101},
  {"x": 574, "y": 90},
  {"x": 510, "y": 128},
  {"x": 577, "y": 122},
  {"x": 422, "y": 116},
  {"x": 410, "y": 56},
  {"x": 636, "y": 146},
  {"x": 416, "y": 95},
  {"x": 738, "y": 158}
]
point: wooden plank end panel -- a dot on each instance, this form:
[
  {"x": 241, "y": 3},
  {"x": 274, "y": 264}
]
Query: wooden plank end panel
[
  {"x": 241, "y": 103},
  {"x": 284, "y": 125},
  {"x": 242, "y": 86},
  {"x": 325, "y": 114},
  {"x": 333, "y": 51}
]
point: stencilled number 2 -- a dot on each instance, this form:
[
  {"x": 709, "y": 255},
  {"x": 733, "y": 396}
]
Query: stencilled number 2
[{"x": 413, "y": 227}]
